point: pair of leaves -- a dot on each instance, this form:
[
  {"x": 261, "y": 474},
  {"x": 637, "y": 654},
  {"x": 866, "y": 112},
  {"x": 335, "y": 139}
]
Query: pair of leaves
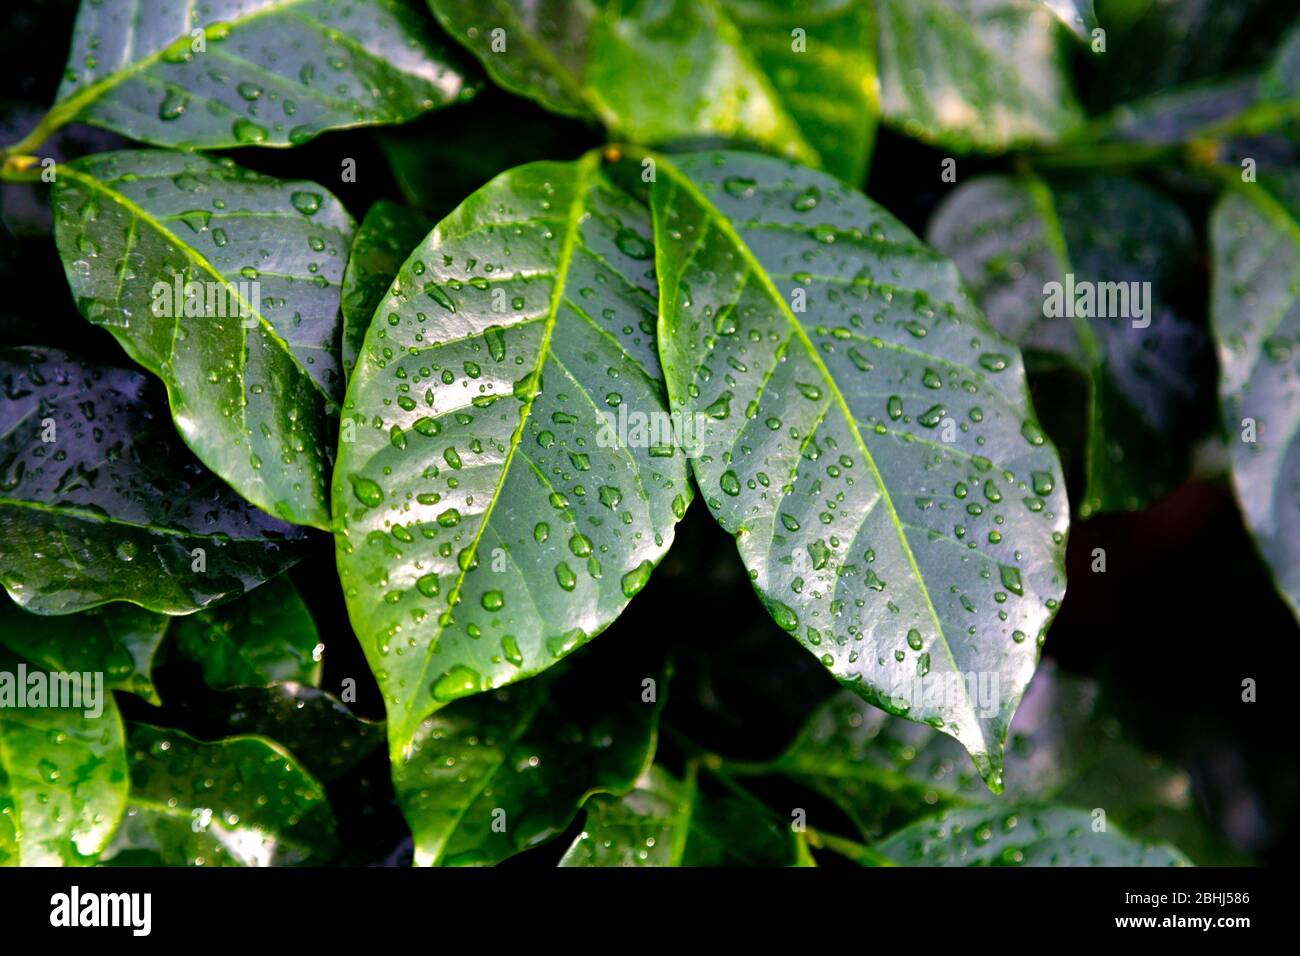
[
  {"x": 808, "y": 83},
  {"x": 1255, "y": 309},
  {"x": 1032, "y": 252},
  {"x": 266, "y": 72},
  {"x": 225, "y": 284},
  {"x": 108, "y": 504}
]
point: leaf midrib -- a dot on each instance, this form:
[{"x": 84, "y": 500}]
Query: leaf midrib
[{"x": 723, "y": 224}]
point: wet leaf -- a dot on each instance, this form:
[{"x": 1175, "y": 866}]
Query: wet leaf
[
  {"x": 263, "y": 638},
  {"x": 113, "y": 507},
  {"x": 62, "y": 773},
  {"x": 1062, "y": 271},
  {"x": 1021, "y": 836},
  {"x": 511, "y": 478},
  {"x": 238, "y": 802},
  {"x": 384, "y": 240},
  {"x": 865, "y": 435},
  {"x": 119, "y": 640},
  {"x": 1255, "y": 309},
  {"x": 798, "y": 82},
  {"x": 225, "y": 284},
  {"x": 499, "y": 773},
  {"x": 254, "y": 72}
]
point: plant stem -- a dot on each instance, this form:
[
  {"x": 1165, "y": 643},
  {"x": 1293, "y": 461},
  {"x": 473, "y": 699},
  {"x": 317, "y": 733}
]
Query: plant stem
[{"x": 52, "y": 121}]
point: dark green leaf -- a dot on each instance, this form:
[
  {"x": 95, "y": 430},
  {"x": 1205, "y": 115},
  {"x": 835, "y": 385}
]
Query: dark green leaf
[
  {"x": 1021, "y": 836},
  {"x": 1014, "y": 238},
  {"x": 114, "y": 507},
  {"x": 1078, "y": 15},
  {"x": 253, "y": 72},
  {"x": 119, "y": 640},
  {"x": 865, "y": 435},
  {"x": 62, "y": 773},
  {"x": 492, "y": 513},
  {"x": 252, "y": 369},
  {"x": 386, "y": 237},
  {"x": 677, "y": 69},
  {"x": 266, "y": 637},
  {"x": 238, "y": 802},
  {"x": 1255, "y": 308},
  {"x": 496, "y": 774},
  {"x": 668, "y": 822}
]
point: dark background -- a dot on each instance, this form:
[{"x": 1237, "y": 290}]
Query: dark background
[{"x": 1184, "y": 612}]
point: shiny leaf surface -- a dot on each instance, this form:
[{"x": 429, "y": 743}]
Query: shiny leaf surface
[
  {"x": 253, "y": 72},
  {"x": 249, "y": 352},
  {"x": 114, "y": 507},
  {"x": 866, "y": 436},
  {"x": 512, "y": 479}
]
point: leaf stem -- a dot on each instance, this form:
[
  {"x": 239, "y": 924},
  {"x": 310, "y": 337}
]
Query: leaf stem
[
  {"x": 20, "y": 168},
  {"x": 51, "y": 122}
]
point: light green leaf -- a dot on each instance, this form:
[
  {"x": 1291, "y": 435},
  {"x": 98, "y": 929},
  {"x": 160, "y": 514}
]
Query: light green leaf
[
  {"x": 253, "y": 72},
  {"x": 238, "y": 802},
  {"x": 62, "y": 773},
  {"x": 252, "y": 369},
  {"x": 865, "y": 435},
  {"x": 266, "y": 637},
  {"x": 512, "y": 478},
  {"x": 1033, "y": 254},
  {"x": 670, "y": 822},
  {"x": 384, "y": 240},
  {"x": 499, "y": 773},
  {"x": 1255, "y": 310},
  {"x": 1078, "y": 15},
  {"x": 1021, "y": 836},
  {"x": 676, "y": 69},
  {"x": 118, "y": 639},
  {"x": 112, "y": 507}
]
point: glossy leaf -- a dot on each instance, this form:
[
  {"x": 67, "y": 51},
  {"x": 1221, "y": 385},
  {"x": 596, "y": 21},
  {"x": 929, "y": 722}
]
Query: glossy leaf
[
  {"x": 492, "y": 513},
  {"x": 266, "y": 637},
  {"x": 253, "y": 72},
  {"x": 1065, "y": 748},
  {"x": 499, "y": 773},
  {"x": 114, "y": 507},
  {"x": 1021, "y": 836},
  {"x": 251, "y": 361},
  {"x": 1255, "y": 310},
  {"x": 119, "y": 640},
  {"x": 670, "y": 822},
  {"x": 974, "y": 74},
  {"x": 62, "y": 774},
  {"x": 737, "y": 69},
  {"x": 239, "y": 802},
  {"x": 1014, "y": 238},
  {"x": 384, "y": 240},
  {"x": 1078, "y": 15},
  {"x": 866, "y": 436}
]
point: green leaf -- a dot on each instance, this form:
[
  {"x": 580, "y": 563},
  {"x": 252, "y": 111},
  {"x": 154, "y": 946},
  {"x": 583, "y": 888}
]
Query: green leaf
[
  {"x": 1078, "y": 15},
  {"x": 499, "y": 773},
  {"x": 384, "y": 240},
  {"x": 736, "y": 67},
  {"x": 1014, "y": 238},
  {"x": 670, "y": 822},
  {"x": 502, "y": 498},
  {"x": 114, "y": 507},
  {"x": 120, "y": 640},
  {"x": 62, "y": 774},
  {"x": 252, "y": 369},
  {"x": 253, "y": 72},
  {"x": 974, "y": 74},
  {"x": 1065, "y": 748},
  {"x": 243, "y": 801},
  {"x": 266, "y": 637},
  {"x": 1021, "y": 836},
  {"x": 827, "y": 356},
  {"x": 1255, "y": 310}
]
